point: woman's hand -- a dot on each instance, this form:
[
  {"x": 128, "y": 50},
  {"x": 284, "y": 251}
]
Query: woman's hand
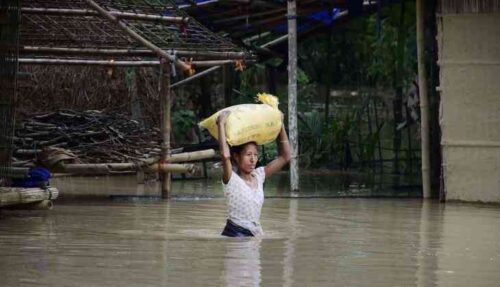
[{"x": 222, "y": 117}]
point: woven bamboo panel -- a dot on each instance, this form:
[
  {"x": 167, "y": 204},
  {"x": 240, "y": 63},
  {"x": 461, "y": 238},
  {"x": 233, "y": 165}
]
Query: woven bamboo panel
[{"x": 468, "y": 6}]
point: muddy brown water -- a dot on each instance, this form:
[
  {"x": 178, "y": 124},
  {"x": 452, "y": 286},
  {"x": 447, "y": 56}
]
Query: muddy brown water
[{"x": 123, "y": 235}]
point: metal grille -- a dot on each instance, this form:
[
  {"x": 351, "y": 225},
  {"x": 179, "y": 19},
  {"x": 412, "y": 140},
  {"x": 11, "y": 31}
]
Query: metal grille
[{"x": 9, "y": 35}]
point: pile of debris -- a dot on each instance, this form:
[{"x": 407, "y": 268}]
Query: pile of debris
[{"x": 85, "y": 137}]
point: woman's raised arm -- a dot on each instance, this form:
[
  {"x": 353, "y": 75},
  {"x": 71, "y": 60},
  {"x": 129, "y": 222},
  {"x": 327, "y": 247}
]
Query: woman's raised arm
[
  {"x": 284, "y": 155},
  {"x": 225, "y": 153}
]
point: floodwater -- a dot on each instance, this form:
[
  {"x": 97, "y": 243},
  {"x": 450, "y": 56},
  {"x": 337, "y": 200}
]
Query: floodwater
[{"x": 123, "y": 235}]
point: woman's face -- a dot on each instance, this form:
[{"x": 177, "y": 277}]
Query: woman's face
[{"x": 247, "y": 158}]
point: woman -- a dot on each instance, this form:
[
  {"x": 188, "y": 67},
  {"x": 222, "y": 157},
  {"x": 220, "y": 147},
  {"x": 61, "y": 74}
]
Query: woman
[{"x": 243, "y": 187}]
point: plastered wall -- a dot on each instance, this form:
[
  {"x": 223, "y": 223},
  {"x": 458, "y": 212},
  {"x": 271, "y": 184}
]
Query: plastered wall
[{"x": 469, "y": 60}]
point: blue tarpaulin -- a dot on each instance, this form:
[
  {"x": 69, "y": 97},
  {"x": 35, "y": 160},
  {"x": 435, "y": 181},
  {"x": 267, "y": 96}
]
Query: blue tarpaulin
[{"x": 37, "y": 177}]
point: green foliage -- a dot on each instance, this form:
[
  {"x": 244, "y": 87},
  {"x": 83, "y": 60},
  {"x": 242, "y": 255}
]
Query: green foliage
[
  {"x": 355, "y": 55},
  {"x": 182, "y": 122},
  {"x": 315, "y": 141},
  {"x": 394, "y": 51},
  {"x": 358, "y": 55}
]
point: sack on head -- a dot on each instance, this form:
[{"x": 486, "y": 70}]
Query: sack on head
[{"x": 259, "y": 123}]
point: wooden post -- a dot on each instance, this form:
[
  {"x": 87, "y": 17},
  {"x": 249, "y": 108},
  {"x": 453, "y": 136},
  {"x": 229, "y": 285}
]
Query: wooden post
[
  {"x": 292, "y": 94},
  {"x": 424, "y": 101},
  {"x": 165, "y": 99}
]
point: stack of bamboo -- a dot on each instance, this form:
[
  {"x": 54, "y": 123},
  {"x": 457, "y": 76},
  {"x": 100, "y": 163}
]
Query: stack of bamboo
[
  {"x": 27, "y": 198},
  {"x": 97, "y": 143},
  {"x": 92, "y": 136}
]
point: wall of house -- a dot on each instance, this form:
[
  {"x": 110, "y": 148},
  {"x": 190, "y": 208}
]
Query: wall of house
[{"x": 469, "y": 60}]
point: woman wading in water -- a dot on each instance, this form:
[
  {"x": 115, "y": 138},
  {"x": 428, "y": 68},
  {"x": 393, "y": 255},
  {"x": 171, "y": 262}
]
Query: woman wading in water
[{"x": 243, "y": 187}]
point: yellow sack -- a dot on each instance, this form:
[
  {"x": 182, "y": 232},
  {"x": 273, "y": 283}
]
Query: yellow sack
[{"x": 260, "y": 123}]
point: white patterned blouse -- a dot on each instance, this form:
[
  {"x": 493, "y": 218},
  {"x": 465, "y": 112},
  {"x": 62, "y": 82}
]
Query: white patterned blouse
[{"x": 244, "y": 203}]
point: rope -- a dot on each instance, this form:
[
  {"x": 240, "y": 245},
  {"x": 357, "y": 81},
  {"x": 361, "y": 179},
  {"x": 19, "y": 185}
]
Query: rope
[
  {"x": 189, "y": 62},
  {"x": 172, "y": 63},
  {"x": 239, "y": 65}
]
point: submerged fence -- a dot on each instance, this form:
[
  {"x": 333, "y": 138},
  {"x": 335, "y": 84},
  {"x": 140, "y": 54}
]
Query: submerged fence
[{"x": 9, "y": 39}]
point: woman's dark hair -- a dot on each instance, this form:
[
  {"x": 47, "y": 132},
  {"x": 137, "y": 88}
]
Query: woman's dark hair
[{"x": 238, "y": 148}]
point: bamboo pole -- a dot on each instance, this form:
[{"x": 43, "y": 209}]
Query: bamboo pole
[
  {"x": 19, "y": 195},
  {"x": 192, "y": 156},
  {"x": 89, "y": 12},
  {"x": 424, "y": 101},
  {"x": 136, "y": 36},
  {"x": 171, "y": 168},
  {"x": 109, "y": 168},
  {"x": 183, "y": 157},
  {"x": 194, "y": 77},
  {"x": 292, "y": 93},
  {"x": 195, "y": 4},
  {"x": 98, "y": 168},
  {"x": 212, "y": 54},
  {"x": 113, "y": 63},
  {"x": 165, "y": 102},
  {"x": 128, "y": 52},
  {"x": 256, "y": 37},
  {"x": 211, "y": 63}
]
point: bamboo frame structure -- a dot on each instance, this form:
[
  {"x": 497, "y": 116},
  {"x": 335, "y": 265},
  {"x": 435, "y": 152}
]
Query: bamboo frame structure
[
  {"x": 136, "y": 36},
  {"x": 129, "y": 52},
  {"x": 118, "y": 14},
  {"x": 86, "y": 30},
  {"x": 424, "y": 102}
]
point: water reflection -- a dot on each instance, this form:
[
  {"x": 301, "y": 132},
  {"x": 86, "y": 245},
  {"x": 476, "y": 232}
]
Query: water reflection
[
  {"x": 242, "y": 262},
  {"x": 141, "y": 241}
]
